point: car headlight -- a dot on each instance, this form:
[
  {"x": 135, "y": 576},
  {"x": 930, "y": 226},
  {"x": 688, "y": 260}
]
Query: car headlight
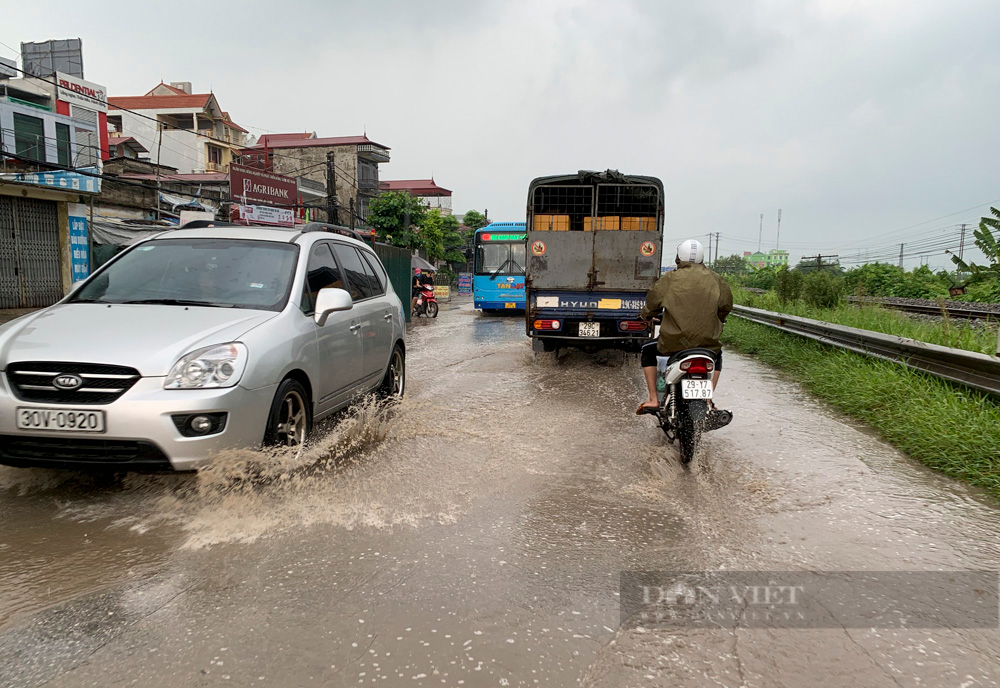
[{"x": 216, "y": 366}]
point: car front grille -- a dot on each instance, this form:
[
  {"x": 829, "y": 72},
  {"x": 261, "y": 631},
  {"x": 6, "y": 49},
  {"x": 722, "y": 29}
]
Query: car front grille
[
  {"x": 98, "y": 384},
  {"x": 22, "y": 450}
]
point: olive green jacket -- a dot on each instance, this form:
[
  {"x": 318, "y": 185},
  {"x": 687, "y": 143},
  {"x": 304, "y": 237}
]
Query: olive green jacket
[{"x": 696, "y": 301}]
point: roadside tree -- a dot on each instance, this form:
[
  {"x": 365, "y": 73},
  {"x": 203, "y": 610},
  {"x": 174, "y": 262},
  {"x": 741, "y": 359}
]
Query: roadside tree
[
  {"x": 387, "y": 214},
  {"x": 474, "y": 219}
]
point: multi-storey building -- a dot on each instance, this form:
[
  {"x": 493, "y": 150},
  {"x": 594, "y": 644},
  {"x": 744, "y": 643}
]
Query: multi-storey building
[
  {"x": 354, "y": 161},
  {"x": 426, "y": 190},
  {"x": 774, "y": 258},
  {"x": 52, "y": 141},
  {"x": 187, "y": 131}
]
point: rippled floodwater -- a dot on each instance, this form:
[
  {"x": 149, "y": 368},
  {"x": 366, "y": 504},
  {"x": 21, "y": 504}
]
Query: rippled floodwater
[{"x": 475, "y": 535}]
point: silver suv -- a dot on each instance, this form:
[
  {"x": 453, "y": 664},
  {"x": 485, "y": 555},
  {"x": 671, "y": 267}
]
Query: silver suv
[{"x": 197, "y": 340}]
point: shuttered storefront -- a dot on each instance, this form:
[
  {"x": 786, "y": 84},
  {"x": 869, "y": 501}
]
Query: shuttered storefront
[{"x": 30, "y": 275}]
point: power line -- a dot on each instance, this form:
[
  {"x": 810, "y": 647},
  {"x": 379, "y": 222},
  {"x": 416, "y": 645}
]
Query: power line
[
  {"x": 130, "y": 182},
  {"x": 159, "y": 123}
]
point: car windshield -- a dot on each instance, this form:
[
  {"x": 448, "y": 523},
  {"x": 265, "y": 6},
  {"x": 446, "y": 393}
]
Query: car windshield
[{"x": 221, "y": 273}]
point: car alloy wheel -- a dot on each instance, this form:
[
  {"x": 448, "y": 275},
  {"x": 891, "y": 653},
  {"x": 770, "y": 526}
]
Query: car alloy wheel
[{"x": 292, "y": 420}]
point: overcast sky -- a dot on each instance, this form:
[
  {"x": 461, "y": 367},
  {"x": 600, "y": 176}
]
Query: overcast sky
[{"x": 858, "y": 118}]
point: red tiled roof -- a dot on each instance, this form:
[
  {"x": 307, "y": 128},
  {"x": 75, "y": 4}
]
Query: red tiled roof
[
  {"x": 168, "y": 87},
  {"x": 119, "y": 140},
  {"x": 309, "y": 143},
  {"x": 271, "y": 138},
  {"x": 198, "y": 100},
  {"x": 416, "y": 187},
  {"x": 233, "y": 124}
]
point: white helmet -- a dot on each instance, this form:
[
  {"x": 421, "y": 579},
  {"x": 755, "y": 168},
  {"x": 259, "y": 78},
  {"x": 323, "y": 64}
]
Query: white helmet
[{"x": 690, "y": 251}]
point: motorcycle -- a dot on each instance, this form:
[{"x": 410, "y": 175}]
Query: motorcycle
[
  {"x": 426, "y": 303},
  {"x": 684, "y": 388}
]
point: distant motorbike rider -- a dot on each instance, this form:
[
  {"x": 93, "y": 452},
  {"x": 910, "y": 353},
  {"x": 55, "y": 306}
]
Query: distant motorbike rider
[
  {"x": 695, "y": 302},
  {"x": 422, "y": 279}
]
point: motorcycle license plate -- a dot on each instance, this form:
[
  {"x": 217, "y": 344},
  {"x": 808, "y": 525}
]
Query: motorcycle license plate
[
  {"x": 60, "y": 419},
  {"x": 696, "y": 389},
  {"x": 590, "y": 329}
]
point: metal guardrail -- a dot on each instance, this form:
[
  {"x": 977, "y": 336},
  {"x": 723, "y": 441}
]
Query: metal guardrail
[
  {"x": 969, "y": 368},
  {"x": 954, "y": 311}
]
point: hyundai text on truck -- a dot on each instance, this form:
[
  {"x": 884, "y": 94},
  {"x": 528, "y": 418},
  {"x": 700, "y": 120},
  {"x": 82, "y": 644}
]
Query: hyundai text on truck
[{"x": 594, "y": 247}]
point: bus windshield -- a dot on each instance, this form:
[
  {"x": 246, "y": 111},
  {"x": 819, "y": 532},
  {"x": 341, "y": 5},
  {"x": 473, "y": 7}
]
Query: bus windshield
[{"x": 500, "y": 258}]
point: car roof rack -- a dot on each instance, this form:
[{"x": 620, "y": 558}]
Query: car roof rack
[
  {"x": 333, "y": 229},
  {"x": 201, "y": 224}
]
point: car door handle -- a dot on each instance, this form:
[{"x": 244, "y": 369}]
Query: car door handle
[
  {"x": 355, "y": 327},
  {"x": 387, "y": 316}
]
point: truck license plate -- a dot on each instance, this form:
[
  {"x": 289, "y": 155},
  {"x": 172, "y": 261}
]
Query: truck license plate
[
  {"x": 60, "y": 419},
  {"x": 590, "y": 329},
  {"x": 696, "y": 389}
]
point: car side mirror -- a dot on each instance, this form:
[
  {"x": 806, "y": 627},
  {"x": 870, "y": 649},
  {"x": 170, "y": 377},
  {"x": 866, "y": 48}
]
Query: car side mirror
[{"x": 331, "y": 300}]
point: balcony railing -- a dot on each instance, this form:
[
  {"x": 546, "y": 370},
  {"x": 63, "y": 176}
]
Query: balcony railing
[
  {"x": 372, "y": 152},
  {"x": 215, "y": 167},
  {"x": 27, "y": 151},
  {"x": 369, "y": 184}
]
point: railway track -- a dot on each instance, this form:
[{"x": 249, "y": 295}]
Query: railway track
[{"x": 928, "y": 307}]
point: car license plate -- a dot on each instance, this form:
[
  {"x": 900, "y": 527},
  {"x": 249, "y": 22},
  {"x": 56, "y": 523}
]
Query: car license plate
[
  {"x": 590, "y": 329},
  {"x": 60, "y": 419},
  {"x": 509, "y": 305},
  {"x": 696, "y": 389}
]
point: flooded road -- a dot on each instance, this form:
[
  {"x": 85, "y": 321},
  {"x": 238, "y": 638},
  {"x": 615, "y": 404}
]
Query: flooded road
[{"x": 476, "y": 538}]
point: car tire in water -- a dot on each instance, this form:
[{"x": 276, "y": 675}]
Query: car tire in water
[
  {"x": 394, "y": 382},
  {"x": 290, "y": 419},
  {"x": 432, "y": 309}
]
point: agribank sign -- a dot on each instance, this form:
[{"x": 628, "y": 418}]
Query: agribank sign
[
  {"x": 251, "y": 186},
  {"x": 80, "y": 92}
]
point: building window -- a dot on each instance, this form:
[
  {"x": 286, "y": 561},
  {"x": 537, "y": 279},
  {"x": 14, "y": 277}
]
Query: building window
[
  {"x": 29, "y": 137},
  {"x": 63, "y": 144},
  {"x": 214, "y": 155},
  {"x": 88, "y": 143}
]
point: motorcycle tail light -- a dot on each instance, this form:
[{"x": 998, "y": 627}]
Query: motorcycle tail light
[
  {"x": 547, "y": 324},
  {"x": 698, "y": 365}
]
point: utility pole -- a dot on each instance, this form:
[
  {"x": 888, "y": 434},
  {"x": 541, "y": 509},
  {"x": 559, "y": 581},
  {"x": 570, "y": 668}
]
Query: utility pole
[
  {"x": 777, "y": 241},
  {"x": 709, "y": 247},
  {"x": 760, "y": 233},
  {"x": 159, "y": 143},
  {"x": 351, "y": 225},
  {"x": 961, "y": 244},
  {"x": 331, "y": 190},
  {"x": 901, "y": 256},
  {"x": 717, "y": 246},
  {"x": 819, "y": 261}
]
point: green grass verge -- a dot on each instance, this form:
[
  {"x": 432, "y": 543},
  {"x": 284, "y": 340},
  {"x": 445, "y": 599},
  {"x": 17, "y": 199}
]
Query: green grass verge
[
  {"x": 949, "y": 428},
  {"x": 953, "y": 333}
]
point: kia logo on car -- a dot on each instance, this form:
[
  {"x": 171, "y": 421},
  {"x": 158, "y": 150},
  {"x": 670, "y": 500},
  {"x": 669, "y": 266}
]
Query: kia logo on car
[{"x": 67, "y": 382}]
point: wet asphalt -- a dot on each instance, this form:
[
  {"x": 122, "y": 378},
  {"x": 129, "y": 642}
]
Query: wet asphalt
[{"x": 476, "y": 536}]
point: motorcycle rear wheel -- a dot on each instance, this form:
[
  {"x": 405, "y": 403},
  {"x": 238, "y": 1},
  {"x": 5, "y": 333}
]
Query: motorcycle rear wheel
[
  {"x": 689, "y": 430},
  {"x": 432, "y": 309}
]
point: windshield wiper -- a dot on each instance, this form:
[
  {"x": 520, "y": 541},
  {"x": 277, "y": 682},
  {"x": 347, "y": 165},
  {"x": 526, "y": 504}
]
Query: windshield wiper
[
  {"x": 180, "y": 302},
  {"x": 499, "y": 270}
]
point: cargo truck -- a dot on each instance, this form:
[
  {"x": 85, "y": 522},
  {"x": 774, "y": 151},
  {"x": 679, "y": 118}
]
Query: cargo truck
[{"x": 595, "y": 243}]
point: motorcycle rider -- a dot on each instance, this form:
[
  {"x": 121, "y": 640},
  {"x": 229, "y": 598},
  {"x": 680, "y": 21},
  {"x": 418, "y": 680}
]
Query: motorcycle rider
[
  {"x": 695, "y": 302},
  {"x": 421, "y": 280}
]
